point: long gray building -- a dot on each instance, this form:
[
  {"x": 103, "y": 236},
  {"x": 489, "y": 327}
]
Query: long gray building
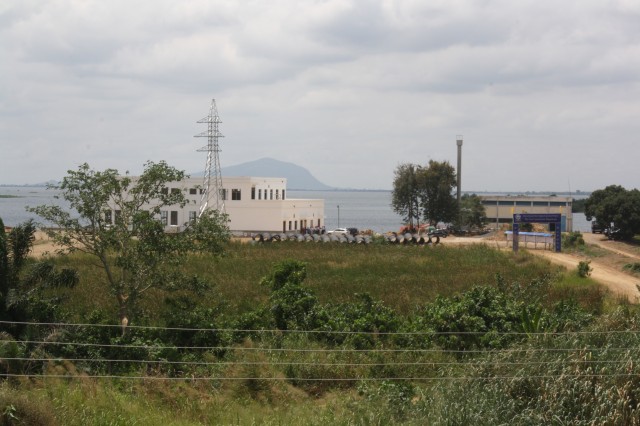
[{"x": 501, "y": 208}]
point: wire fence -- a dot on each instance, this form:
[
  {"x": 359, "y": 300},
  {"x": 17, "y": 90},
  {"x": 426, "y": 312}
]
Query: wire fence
[{"x": 55, "y": 357}]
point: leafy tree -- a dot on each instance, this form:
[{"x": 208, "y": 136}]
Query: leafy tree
[
  {"x": 405, "y": 195},
  {"x": 472, "y": 211},
  {"x": 290, "y": 302},
  {"x": 436, "y": 183},
  {"x": 614, "y": 204},
  {"x": 134, "y": 252},
  {"x": 21, "y": 284}
]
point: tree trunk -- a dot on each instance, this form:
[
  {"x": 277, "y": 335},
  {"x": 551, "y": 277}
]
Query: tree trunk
[{"x": 123, "y": 312}]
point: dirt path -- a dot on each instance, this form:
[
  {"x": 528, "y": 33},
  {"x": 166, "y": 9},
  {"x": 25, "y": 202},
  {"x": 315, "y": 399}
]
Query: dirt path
[
  {"x": 605, "y": 270},
  {"x": 617, "y": 281},
  {"x": 618, "y": 247}
]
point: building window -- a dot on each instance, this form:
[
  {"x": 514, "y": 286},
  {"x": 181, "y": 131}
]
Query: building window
[
  {"x": 164, "y": 217},
  {"x": 192, "y": 216},
  {"x": 259, "y": 194},
  {"x": 283, "y": 194},
  {"x": 223, "y": 193},
  {"x": 175, "y": 190},
  {"x": 118, "y": 216},
  {"x": 235, "y": 194},
  {"x": 253, "y": 192},
  {"x": 165, "y": 190},
  {"x": 107, "y": 217},
  {"x": 193, "y": 191},
  {"x": 174, "y": 218},
  {"x": 289, "y": 225},
  {"x": 271, "y": 194}
]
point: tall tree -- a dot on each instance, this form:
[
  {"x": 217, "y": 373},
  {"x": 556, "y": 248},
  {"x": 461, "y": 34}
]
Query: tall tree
[
  {"x": 436, "y": 183},
  {"x": 618, "y": 206},
  {"x": 472, "y": 212},
  {"x": 404, "y": 198},
  {"x": 134, "y": 252}
]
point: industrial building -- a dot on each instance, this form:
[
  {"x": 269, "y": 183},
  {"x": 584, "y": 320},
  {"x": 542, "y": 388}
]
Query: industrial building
[
  {"x": 501, "y": 208},
  {"x": 253, "y": 204}
]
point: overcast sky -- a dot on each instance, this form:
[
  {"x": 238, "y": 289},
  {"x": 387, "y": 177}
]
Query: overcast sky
[{"x": 545, "y": 93}]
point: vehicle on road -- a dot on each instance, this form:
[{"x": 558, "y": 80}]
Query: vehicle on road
[
  {"x": 596, "y": 228},
  {"x": 338, "y": 231}
]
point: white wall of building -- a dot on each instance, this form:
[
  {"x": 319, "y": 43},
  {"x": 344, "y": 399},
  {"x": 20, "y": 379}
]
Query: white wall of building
[{"x": 252, "y": 203}]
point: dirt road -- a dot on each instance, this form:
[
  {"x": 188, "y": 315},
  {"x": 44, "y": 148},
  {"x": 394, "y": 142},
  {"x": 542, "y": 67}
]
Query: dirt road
[{"x": 606, "y": 268}]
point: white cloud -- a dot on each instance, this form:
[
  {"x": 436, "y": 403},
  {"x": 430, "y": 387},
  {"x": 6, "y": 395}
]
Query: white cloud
[{"x": 542, "y": 91}]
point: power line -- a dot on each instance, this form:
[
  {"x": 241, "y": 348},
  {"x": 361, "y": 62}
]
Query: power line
[
  {"x": 320, "y": 350},
  {"x": 337, "y": 332},
  {"x": 322, "y": 379},
  {"x": 319, "y": 364}
]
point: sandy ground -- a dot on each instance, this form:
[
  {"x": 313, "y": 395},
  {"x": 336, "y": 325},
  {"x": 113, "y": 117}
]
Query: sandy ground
[{"x": 606, "y": 269}]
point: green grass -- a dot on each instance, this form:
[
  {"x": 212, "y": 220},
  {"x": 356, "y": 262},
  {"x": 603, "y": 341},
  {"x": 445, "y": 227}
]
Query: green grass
[{"x": 403, "y": 277}]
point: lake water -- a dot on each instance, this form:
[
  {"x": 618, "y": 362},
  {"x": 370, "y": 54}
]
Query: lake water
[{"x": 358, "y": 209}]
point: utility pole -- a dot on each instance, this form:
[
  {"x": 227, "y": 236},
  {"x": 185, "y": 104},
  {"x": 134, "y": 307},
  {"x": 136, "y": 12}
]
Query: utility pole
[
  {"x": 212, "y": 185},
  {"x": 459, "y": 171}
]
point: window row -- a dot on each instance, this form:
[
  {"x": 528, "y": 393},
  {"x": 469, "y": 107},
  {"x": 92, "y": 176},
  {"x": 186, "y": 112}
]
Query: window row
[
  {"x": 236, "y": 195},
  {"x": 267, "y": 194},
  {"x": 167, "y": 218}
]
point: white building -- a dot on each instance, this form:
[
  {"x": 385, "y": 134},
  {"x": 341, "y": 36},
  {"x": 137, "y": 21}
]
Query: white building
[{"x": 253, "y": 204}]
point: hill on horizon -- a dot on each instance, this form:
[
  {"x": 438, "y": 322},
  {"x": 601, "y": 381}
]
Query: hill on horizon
[{"x": 298, "y": 178}]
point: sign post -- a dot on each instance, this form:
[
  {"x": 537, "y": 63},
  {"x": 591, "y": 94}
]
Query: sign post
[{"x": 555, "y": 218}]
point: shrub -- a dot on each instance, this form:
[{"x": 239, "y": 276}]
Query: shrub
[
  {"x": 633, "y": 267},
  {"x": 584, "y": 268},
  {"x": 572, "y": 239}
]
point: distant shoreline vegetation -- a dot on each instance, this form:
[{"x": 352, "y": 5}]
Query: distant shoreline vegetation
[{"x": 10, "y": 196}]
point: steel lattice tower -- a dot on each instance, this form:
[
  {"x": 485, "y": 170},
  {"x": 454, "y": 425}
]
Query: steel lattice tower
[{"x": 212, "y": 185}]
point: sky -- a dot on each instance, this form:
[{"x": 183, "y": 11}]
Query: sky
[{"x": 545, "y": 94}]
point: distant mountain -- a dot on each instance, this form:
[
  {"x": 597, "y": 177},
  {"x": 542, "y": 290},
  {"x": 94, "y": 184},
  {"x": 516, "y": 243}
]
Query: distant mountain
[{"x": 297, "y": 177}]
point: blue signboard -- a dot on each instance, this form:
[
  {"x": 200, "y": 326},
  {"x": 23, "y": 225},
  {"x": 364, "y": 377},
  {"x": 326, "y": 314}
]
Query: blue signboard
[
  {"x": 537, "y": 218},
  {"x": 555, "y": 218}
]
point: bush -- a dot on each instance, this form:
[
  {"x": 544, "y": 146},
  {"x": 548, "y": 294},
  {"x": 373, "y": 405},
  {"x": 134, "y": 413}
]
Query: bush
[
  {"x": 572, "y": 239},
  {"x": 584, "y": 268},
  {"x": 633, "y": 267}
]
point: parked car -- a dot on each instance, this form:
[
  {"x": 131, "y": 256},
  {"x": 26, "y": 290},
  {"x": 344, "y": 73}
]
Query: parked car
[
  {"x": 596, "y": 228},
  {"x": 338, "y": 231}
]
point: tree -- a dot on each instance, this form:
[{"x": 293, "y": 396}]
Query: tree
[
  {"x": 436, "y": 183},
  {"x": 472, "y": 211},
  {"x": 618, "y": 206},
  {"x": 134, "y": 252},
  {"x": 22, "y": 284},
  {"x": 404, "y": 198}
]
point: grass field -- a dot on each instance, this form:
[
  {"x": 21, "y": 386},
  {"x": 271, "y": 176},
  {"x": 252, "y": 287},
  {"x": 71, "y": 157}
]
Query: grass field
[{"x": 404, "y": 279}]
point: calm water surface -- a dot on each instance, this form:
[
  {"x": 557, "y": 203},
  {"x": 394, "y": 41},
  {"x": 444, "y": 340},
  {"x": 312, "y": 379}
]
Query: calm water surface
[{"x": 358, "y": 209}]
